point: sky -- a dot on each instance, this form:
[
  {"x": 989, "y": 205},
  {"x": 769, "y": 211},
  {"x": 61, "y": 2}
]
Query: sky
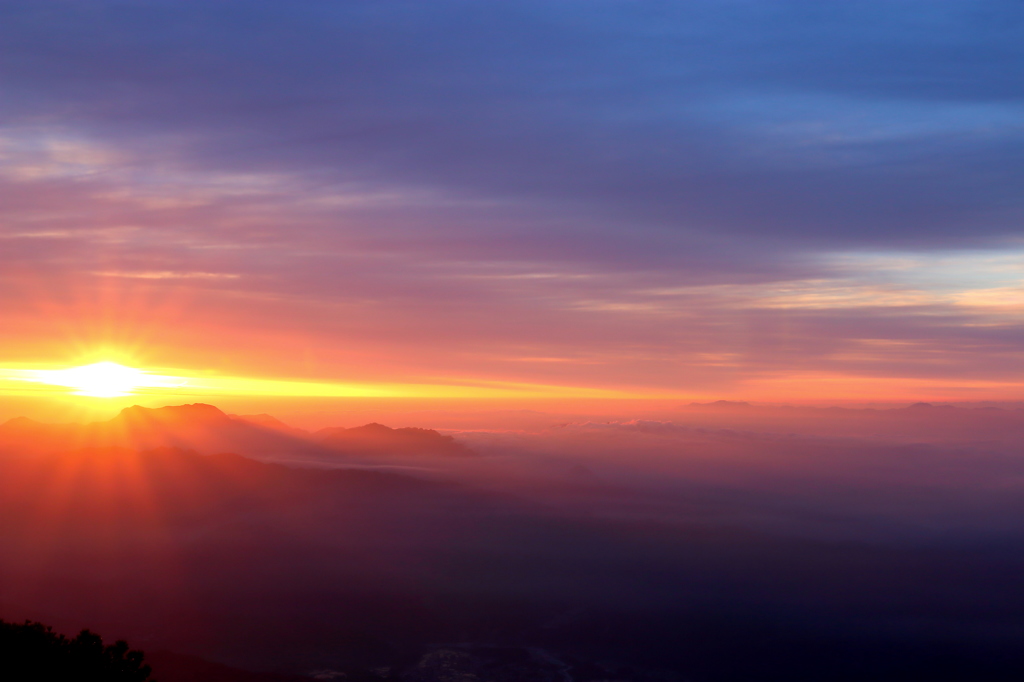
[{"x": 517, "y": 201}]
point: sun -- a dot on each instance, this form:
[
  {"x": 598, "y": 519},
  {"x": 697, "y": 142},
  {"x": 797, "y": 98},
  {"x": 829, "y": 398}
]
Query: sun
[
  {"x": 98, "y": 380},
  {"x": 103, "y": 380}
]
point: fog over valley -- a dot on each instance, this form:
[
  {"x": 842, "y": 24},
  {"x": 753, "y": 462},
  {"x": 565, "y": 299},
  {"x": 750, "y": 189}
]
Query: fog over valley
[{"x": 657, "y": 545}]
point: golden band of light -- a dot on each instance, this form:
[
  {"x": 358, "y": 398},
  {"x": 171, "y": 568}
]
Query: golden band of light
[{"x": 110, "y": 380}]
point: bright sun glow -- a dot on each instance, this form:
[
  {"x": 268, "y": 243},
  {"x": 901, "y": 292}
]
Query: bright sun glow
[
  {"x": 112, "y": 380},
  {"x": 102, "y": 379}
]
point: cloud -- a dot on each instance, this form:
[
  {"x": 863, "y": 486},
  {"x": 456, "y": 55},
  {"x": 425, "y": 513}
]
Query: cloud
[
  {"x": 165, "y": 274},
  {"x": 449, "y": 188},
  {"x": 665, "y": 118}
]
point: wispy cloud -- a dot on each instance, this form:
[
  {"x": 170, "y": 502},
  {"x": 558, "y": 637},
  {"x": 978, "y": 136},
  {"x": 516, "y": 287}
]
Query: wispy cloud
[{"x": 166, "y": 274}]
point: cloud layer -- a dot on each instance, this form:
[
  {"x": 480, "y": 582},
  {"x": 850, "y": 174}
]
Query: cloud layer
[{"x": 649, "y": 196}]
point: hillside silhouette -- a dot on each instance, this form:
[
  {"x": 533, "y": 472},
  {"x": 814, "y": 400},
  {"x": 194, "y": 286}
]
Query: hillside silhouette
[
  {"x": 34, "y": 652},
  {"x": 206, "y": 429},
  {"x": 380, "y": 439}
]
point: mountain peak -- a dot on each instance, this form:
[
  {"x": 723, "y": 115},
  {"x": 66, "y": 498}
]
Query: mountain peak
[
  {"x": 266, "y": 421},
  {"x": 381, "y": 439},
  {"x": 20, "y": 424},
  {"x": 190, "y": 412}
]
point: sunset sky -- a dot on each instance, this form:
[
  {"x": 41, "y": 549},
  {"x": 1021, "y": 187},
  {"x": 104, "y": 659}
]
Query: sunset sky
[{"x": 515, "y": 201}]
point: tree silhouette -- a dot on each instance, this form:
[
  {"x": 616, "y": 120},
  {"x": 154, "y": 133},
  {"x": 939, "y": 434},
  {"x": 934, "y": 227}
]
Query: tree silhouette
[{"x": 33, "y": 652}]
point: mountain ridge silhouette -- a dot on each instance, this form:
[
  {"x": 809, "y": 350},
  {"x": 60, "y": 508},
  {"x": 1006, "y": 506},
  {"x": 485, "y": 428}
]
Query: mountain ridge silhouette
[{"x": 207, "y": 429}]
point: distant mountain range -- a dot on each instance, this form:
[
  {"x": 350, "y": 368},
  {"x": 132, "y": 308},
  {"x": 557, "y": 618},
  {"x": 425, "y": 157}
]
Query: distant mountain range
[{"x": 207, "y": 430}]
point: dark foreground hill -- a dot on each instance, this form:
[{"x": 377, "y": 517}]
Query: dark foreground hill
[{"x": 31, "y": 652}]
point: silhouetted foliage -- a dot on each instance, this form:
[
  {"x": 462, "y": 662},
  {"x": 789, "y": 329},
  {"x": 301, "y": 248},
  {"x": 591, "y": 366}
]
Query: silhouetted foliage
[{"x": 33, "y": 652}]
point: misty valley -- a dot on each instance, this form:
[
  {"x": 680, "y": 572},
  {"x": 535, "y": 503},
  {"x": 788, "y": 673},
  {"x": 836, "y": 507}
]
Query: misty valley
[{"x": 721, "y": 545}]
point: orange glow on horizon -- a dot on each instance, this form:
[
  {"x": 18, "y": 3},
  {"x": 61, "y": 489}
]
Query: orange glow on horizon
[
  {"x": 97, "y": 383},
  {"x": 112, "y": 380}
]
